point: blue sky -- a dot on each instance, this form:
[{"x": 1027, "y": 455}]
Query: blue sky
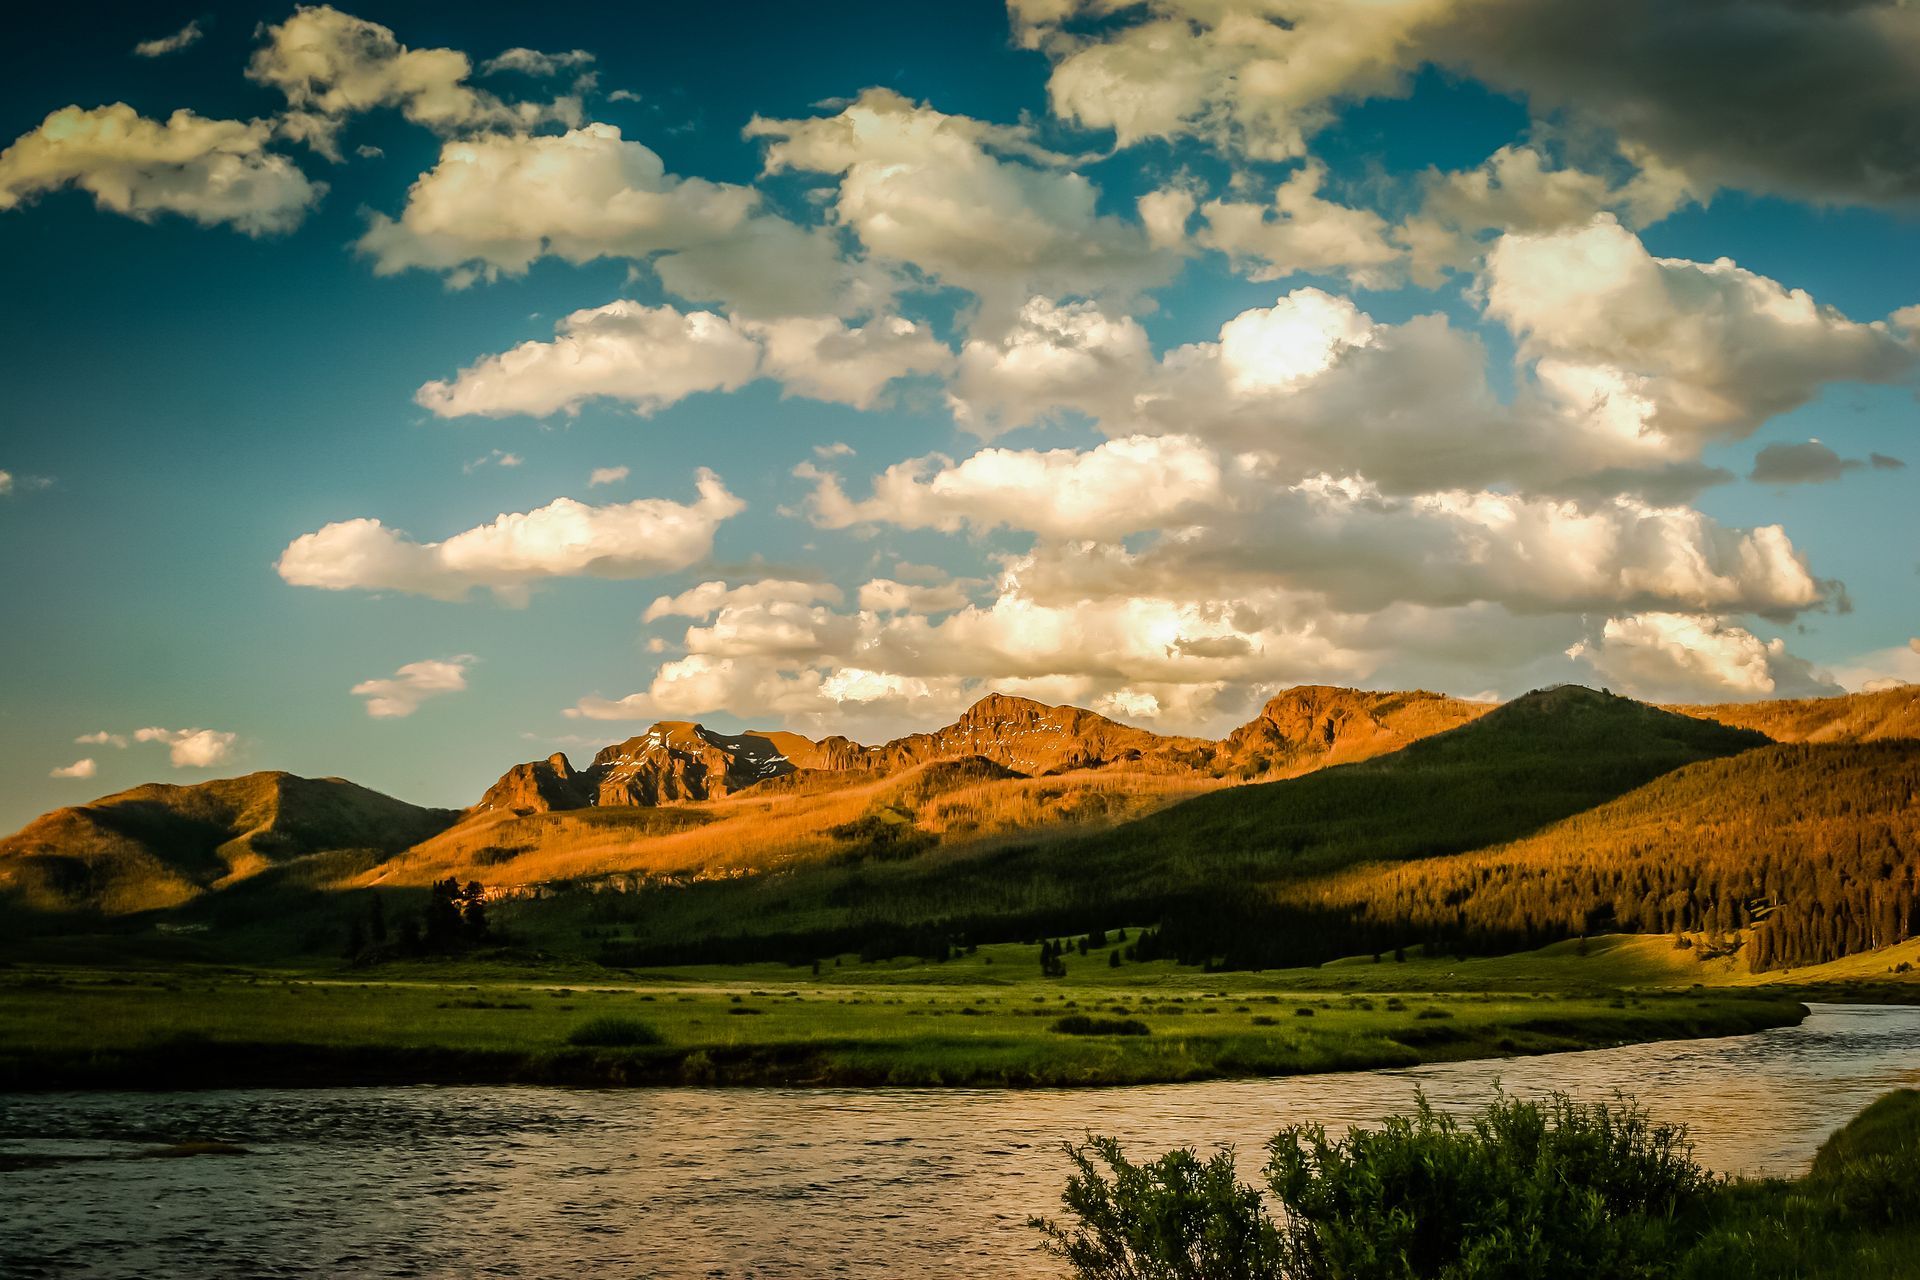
[{"x": 1469, "y": 427}]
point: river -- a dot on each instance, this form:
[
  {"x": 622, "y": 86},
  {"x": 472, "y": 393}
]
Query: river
[{"x": 726, "y": 1185}]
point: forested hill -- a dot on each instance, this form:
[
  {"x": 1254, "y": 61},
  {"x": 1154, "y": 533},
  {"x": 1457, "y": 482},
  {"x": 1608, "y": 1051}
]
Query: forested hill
[
  {"x": 1816, "y": 848},
  {"x": 1538, "y": 759}
]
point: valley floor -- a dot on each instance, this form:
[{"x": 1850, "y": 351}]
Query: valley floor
[{"x": 984, "y": 1019}]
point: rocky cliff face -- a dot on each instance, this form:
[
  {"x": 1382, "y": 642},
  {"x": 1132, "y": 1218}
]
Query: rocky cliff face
[
  {"x": 1033, "y": 738},
  {"x": 1314, "y": 726},
  {"x": 677, "y": 761}
]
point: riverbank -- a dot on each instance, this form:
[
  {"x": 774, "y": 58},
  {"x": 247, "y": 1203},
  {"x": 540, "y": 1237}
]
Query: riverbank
[{"x": 989, "y": 1019}]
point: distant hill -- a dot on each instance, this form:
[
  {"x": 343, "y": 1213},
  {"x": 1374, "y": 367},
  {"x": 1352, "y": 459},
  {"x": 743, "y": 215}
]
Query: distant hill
[
  {"x": 1852, "y": 717},
  {"x": 159, "y": 846}
]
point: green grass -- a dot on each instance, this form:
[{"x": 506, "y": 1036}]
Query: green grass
[{"x": 982, "y": 1019}]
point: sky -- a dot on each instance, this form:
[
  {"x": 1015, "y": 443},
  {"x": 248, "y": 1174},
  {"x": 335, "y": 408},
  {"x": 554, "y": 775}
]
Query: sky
[{"x": 398, "y": 393}]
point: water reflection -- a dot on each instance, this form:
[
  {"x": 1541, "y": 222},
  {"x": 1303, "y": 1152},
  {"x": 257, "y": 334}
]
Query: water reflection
[{"x": 774, "y": 1182}]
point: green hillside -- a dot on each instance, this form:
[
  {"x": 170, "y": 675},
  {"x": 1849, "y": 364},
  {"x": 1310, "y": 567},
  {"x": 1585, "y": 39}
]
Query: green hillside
[{"x": 160, "y": 846}]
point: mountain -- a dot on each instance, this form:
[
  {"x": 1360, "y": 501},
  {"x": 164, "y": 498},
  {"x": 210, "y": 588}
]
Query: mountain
[
  {"x": 1852, "y": 717},
  {"x": 673, "y": 762},
  {"x": 1314, "y": 726},
  {"x": 1512, "y": 771},
  {"x": 158, "y": 845},
  {"x": 677, "y": 761}
]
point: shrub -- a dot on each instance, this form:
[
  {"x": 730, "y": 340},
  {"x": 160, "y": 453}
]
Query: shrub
[
  {"x": 1524, "y": 1189},
  {"x": 1079, "y": 1024},
  {"x": 612, "y": 1032}
]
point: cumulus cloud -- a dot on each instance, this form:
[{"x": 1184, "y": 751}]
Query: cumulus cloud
[
  {"x": 1688, "y": 351},
  {"x": 212, "y": 171},
  {"x": 1680, "y": 657},
  {"x": 886, "y": 595},
  {"x": 565, "y": 538},
  {"x": 1519, "y": 189},
  {"x": 647, "y": 357},
  {"x": 1122, "y": 486},
  {"x": 1300, "y": 231},
  {"x": 400, "y": 695},
  {"x": 1808, "y": 463},
  {"x": 965, "y": 202},
  {"x": 1890, "y": 668},
  {"x": 653, "y": 357},
  {"x": 1696, "y": 87},
  {"x": 160, "y": 46},
  {"x": 824, "y": 358},
  {"x": 191, "y": 748},
  {"x": 493, "y": 205},
  {"x": 331, "y": 65},
  {"x": 607, "y": 475},
  {"x": 6, "y": 483},
  {"x": 82, "y": 768},
  {"x": 708, "y": 598}
]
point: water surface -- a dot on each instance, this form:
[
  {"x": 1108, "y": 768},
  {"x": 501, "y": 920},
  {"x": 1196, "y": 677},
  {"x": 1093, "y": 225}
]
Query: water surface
[{"x": 586, "y": 1184}]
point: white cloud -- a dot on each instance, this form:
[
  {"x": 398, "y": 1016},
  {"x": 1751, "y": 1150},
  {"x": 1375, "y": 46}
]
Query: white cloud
[
  {"x": 1119, "y": 487},
  {"x": 824, "y": 358},
  {"x": 212, "y": 171},
  {"x": 709, "y": 598},
  {"x": 653, "y": 357},
  {"x": 1299, "y": 232},
  {"x": 1259, "y": 77},
  {"x": 493, "y": 458},
  {"x": 6, "y": 483},
  {"x": 1053, "y": 356},
  {"x": 331, "y": 65},
  {"x": 966, "y": 202},
  {"x": 648, "y": 357},
  {"x": 565, "y": 538},
  {"x": 84, "y": 768},
  {"x": 885, "y": 595},
  {"x": 401, "y": 694},
  {"x": 492, "y": 206},
  {"x": 1676, "y": 657},
  {"x": 532, "y": 62},
  {"x": 1517, "y": 189},
  {"x": 1683, "y": 350},
  {"x": 102, "y": 739},
  {"x": 1881, "y": 669},
  {"x": 191, "y": 748},
  {"x": 160, "y": 46},
  {"x": 607, "y": 475}
]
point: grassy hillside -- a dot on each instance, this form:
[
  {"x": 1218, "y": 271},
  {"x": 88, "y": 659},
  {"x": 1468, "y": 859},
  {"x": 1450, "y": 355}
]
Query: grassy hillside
[
  {"x": 159, "y": 846},
  {"x": 1853, "y": 717}
]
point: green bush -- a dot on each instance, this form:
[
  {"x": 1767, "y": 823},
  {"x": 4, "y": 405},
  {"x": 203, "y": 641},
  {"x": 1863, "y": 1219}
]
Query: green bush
[
  {"x": 1079, "y": 1024},
  {"x": 612, "y": 1032},
  {"x": 1523, "y": 1190}
]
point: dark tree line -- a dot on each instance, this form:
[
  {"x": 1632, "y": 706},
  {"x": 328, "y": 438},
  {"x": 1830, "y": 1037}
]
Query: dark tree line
[{"x": 453, "y": 920}]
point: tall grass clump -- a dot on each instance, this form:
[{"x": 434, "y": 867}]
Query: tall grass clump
[{"x": 610, "y": 1031}]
